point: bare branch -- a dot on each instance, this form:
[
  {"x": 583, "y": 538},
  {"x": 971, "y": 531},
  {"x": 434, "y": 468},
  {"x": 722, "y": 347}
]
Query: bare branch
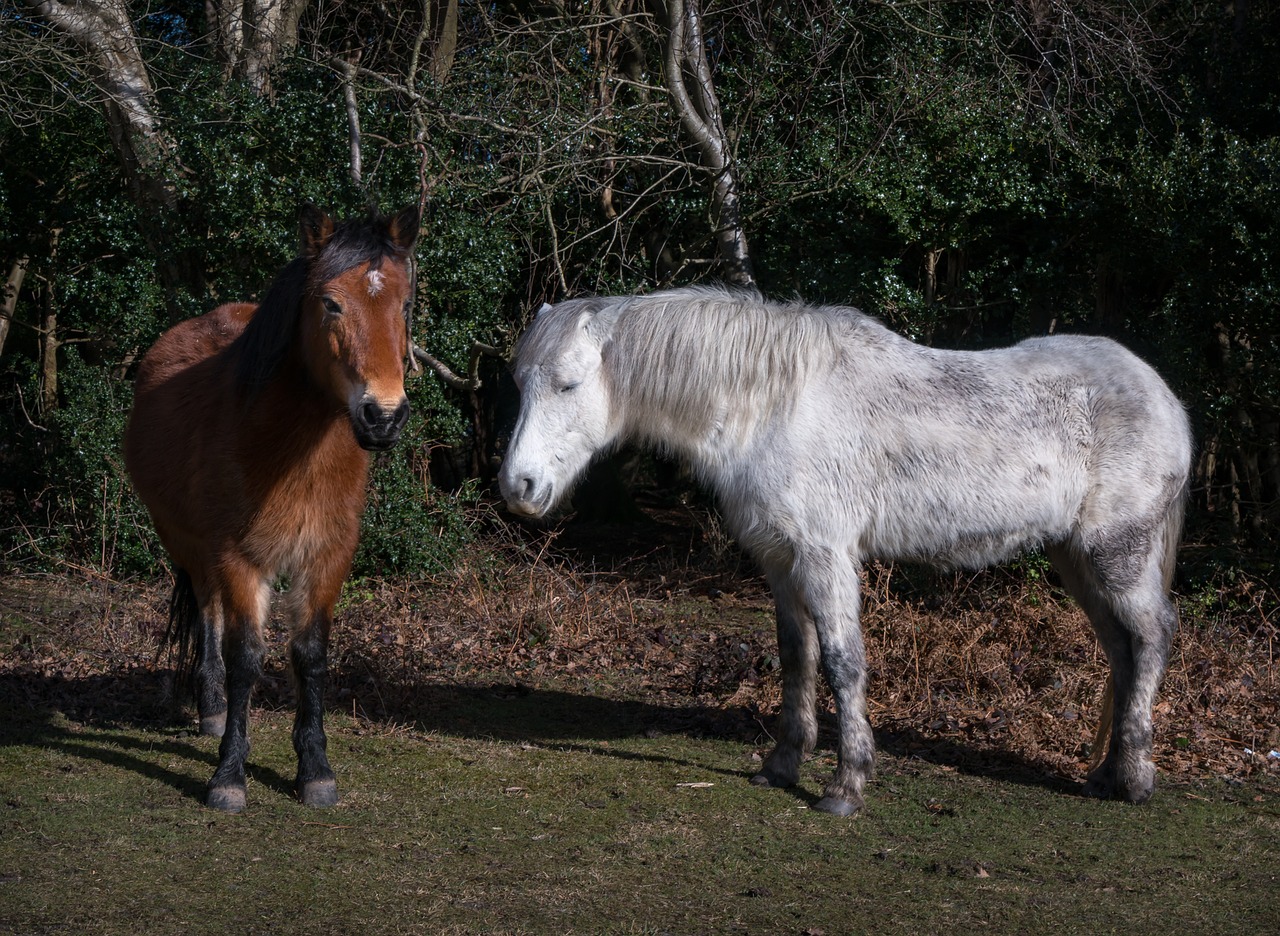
[
  {"x": 348, "y": 71},
  {"x": 442, "y": 370},
  {"x": 689, "y": 79}
]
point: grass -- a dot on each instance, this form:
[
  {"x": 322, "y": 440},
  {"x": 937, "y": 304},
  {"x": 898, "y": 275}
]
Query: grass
[
  {"x": 528, "y": 747},
  {"x": 568, "y": 831}
]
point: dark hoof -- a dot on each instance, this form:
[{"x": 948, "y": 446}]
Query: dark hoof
[
  {"x": 1103, "y": 785},
  {"x": 226, "y": 799},
  {"x": 319, "y": 793},
  {"x": 767, "y": 779},
  {"x": 213, "y": 725},
  {"x": 837, "y": 807}
]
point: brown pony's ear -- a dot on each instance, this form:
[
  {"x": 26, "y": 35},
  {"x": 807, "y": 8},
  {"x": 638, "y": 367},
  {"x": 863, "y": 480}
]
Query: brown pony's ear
[
  {"x": 403, "y": 228},
  {"x": 316, "y": 228}
]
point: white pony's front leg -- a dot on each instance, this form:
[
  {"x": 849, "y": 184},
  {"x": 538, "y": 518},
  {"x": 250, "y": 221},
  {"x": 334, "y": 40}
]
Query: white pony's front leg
[
  {"x": 798, "y": 652},
  {"x": 828, "y": 581}
]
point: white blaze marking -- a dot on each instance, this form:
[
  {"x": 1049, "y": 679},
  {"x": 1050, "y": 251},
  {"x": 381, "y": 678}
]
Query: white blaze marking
[{"x": 375, "y": 282}]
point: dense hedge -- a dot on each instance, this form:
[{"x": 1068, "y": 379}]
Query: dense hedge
[{"x": 884, "y": 161}]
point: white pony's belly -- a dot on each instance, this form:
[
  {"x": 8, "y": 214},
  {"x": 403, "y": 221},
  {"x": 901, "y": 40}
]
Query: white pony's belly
[
  {"x": 985, "y": 515},
  {"x": 952, "y": 509}
]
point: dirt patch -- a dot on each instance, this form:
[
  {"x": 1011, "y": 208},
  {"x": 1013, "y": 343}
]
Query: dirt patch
[{"x": 996, "y": 672}]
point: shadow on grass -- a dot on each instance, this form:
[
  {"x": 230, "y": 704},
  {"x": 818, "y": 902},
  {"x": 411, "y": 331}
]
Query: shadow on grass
[
  {"x": 90, "y": 717},
  {"x": 87, "y": 717}
]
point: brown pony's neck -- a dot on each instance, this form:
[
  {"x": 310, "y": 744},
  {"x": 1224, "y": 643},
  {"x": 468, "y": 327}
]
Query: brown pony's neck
[{"x": 297, "y": 430}]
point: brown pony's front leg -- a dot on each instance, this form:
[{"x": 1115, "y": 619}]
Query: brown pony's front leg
[
  {"x": 242, "y": 654},
  {"x": 315, "y": 784}
]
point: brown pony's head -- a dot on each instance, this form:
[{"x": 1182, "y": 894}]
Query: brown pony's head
[{"x": 352, "y": 316}]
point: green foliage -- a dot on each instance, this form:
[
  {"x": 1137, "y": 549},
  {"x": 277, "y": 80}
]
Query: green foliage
[
  {"x": 907, "y": 158},
  {"x": 95, "y": 517},
  {"x": 408, "y": 528}
]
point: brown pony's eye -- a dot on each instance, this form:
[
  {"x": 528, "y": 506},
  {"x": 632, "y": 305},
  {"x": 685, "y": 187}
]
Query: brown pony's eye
[{"x": 331, "y": 307}]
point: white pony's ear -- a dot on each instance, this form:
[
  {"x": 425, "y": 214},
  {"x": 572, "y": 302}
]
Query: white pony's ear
[
  {"x": 542, "y": 308},
  {"x": 606, "y": 313}
]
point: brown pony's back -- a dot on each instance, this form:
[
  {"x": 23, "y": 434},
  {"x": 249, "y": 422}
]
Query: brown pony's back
[{"x": 180, "y": 391}]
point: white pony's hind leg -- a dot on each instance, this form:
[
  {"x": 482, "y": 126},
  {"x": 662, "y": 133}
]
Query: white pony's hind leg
[
  {"x": 1135, "y": 621},
  {"x": 798, "y": 652}
]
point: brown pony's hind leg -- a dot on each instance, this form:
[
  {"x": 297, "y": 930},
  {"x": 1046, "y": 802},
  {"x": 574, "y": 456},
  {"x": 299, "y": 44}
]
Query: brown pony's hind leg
[
  {"x": 242, "y": 652},
  {"x": 211, "y": 677},
  {"x": 195, "y": 625}
]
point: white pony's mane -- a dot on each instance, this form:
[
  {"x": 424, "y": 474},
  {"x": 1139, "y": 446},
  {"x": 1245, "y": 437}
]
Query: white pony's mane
[
  {"x": 700, "y": 360},
  {"x": 734, "y": 339}
]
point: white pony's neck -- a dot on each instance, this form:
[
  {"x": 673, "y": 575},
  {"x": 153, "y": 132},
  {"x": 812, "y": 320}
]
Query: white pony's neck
[{"x": 702, "y": 372}]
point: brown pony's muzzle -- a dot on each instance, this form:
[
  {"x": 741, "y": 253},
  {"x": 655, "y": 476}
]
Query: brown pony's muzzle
[{"x": 377, "y": 427}]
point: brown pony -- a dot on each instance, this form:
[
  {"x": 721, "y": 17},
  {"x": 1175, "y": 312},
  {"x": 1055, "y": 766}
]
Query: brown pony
[{"x": 248, "y": 442}]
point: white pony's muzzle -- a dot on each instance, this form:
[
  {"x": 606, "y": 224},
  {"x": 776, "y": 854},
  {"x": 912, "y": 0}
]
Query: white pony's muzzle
[{"x": 523, "y": 494}]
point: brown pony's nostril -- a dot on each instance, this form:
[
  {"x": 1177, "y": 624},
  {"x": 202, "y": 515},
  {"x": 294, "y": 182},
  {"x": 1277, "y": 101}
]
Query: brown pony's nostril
[
  {"x": 401, "y": 415},
  {"x": 371, "y": 413}
]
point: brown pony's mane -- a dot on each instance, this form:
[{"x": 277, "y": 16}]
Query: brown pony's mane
[{"x": 263, "y": 343}]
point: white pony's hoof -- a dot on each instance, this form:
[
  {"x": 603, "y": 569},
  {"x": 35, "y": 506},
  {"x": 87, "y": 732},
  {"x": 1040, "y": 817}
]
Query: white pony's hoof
[
  {"x": 837, "y": 807},
  {"x": 763, "y": 779},
  {"x": 213, "y": 726},
  {"x": 319, "y": 793}
]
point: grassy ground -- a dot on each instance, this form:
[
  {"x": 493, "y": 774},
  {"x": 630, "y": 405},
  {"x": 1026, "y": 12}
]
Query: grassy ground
[
  {"x": 587, "y": 825},
  {"x": 524, "y": 747}
]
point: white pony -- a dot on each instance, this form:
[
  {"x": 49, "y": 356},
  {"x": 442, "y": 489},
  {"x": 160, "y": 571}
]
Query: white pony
[{"x": 829, "y": 440}]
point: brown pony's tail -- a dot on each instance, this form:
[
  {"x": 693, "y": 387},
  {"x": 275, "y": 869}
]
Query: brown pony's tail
[{"x": 184, "y": 630}]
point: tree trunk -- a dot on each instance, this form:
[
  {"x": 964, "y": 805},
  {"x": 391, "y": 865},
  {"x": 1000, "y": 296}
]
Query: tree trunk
[
  {"x": 9, "y": 305},
  {"x": 103, "y": 32},
  {"x": 252, "y": 37},
  {"x": 447, "y": 44},
  {"x": 689, "y": 78},
  {"x": 49, "y": 334}
]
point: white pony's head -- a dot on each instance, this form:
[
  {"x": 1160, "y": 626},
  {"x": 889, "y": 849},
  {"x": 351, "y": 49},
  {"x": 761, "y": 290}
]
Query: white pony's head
[{"x": 566, "y": 415}]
